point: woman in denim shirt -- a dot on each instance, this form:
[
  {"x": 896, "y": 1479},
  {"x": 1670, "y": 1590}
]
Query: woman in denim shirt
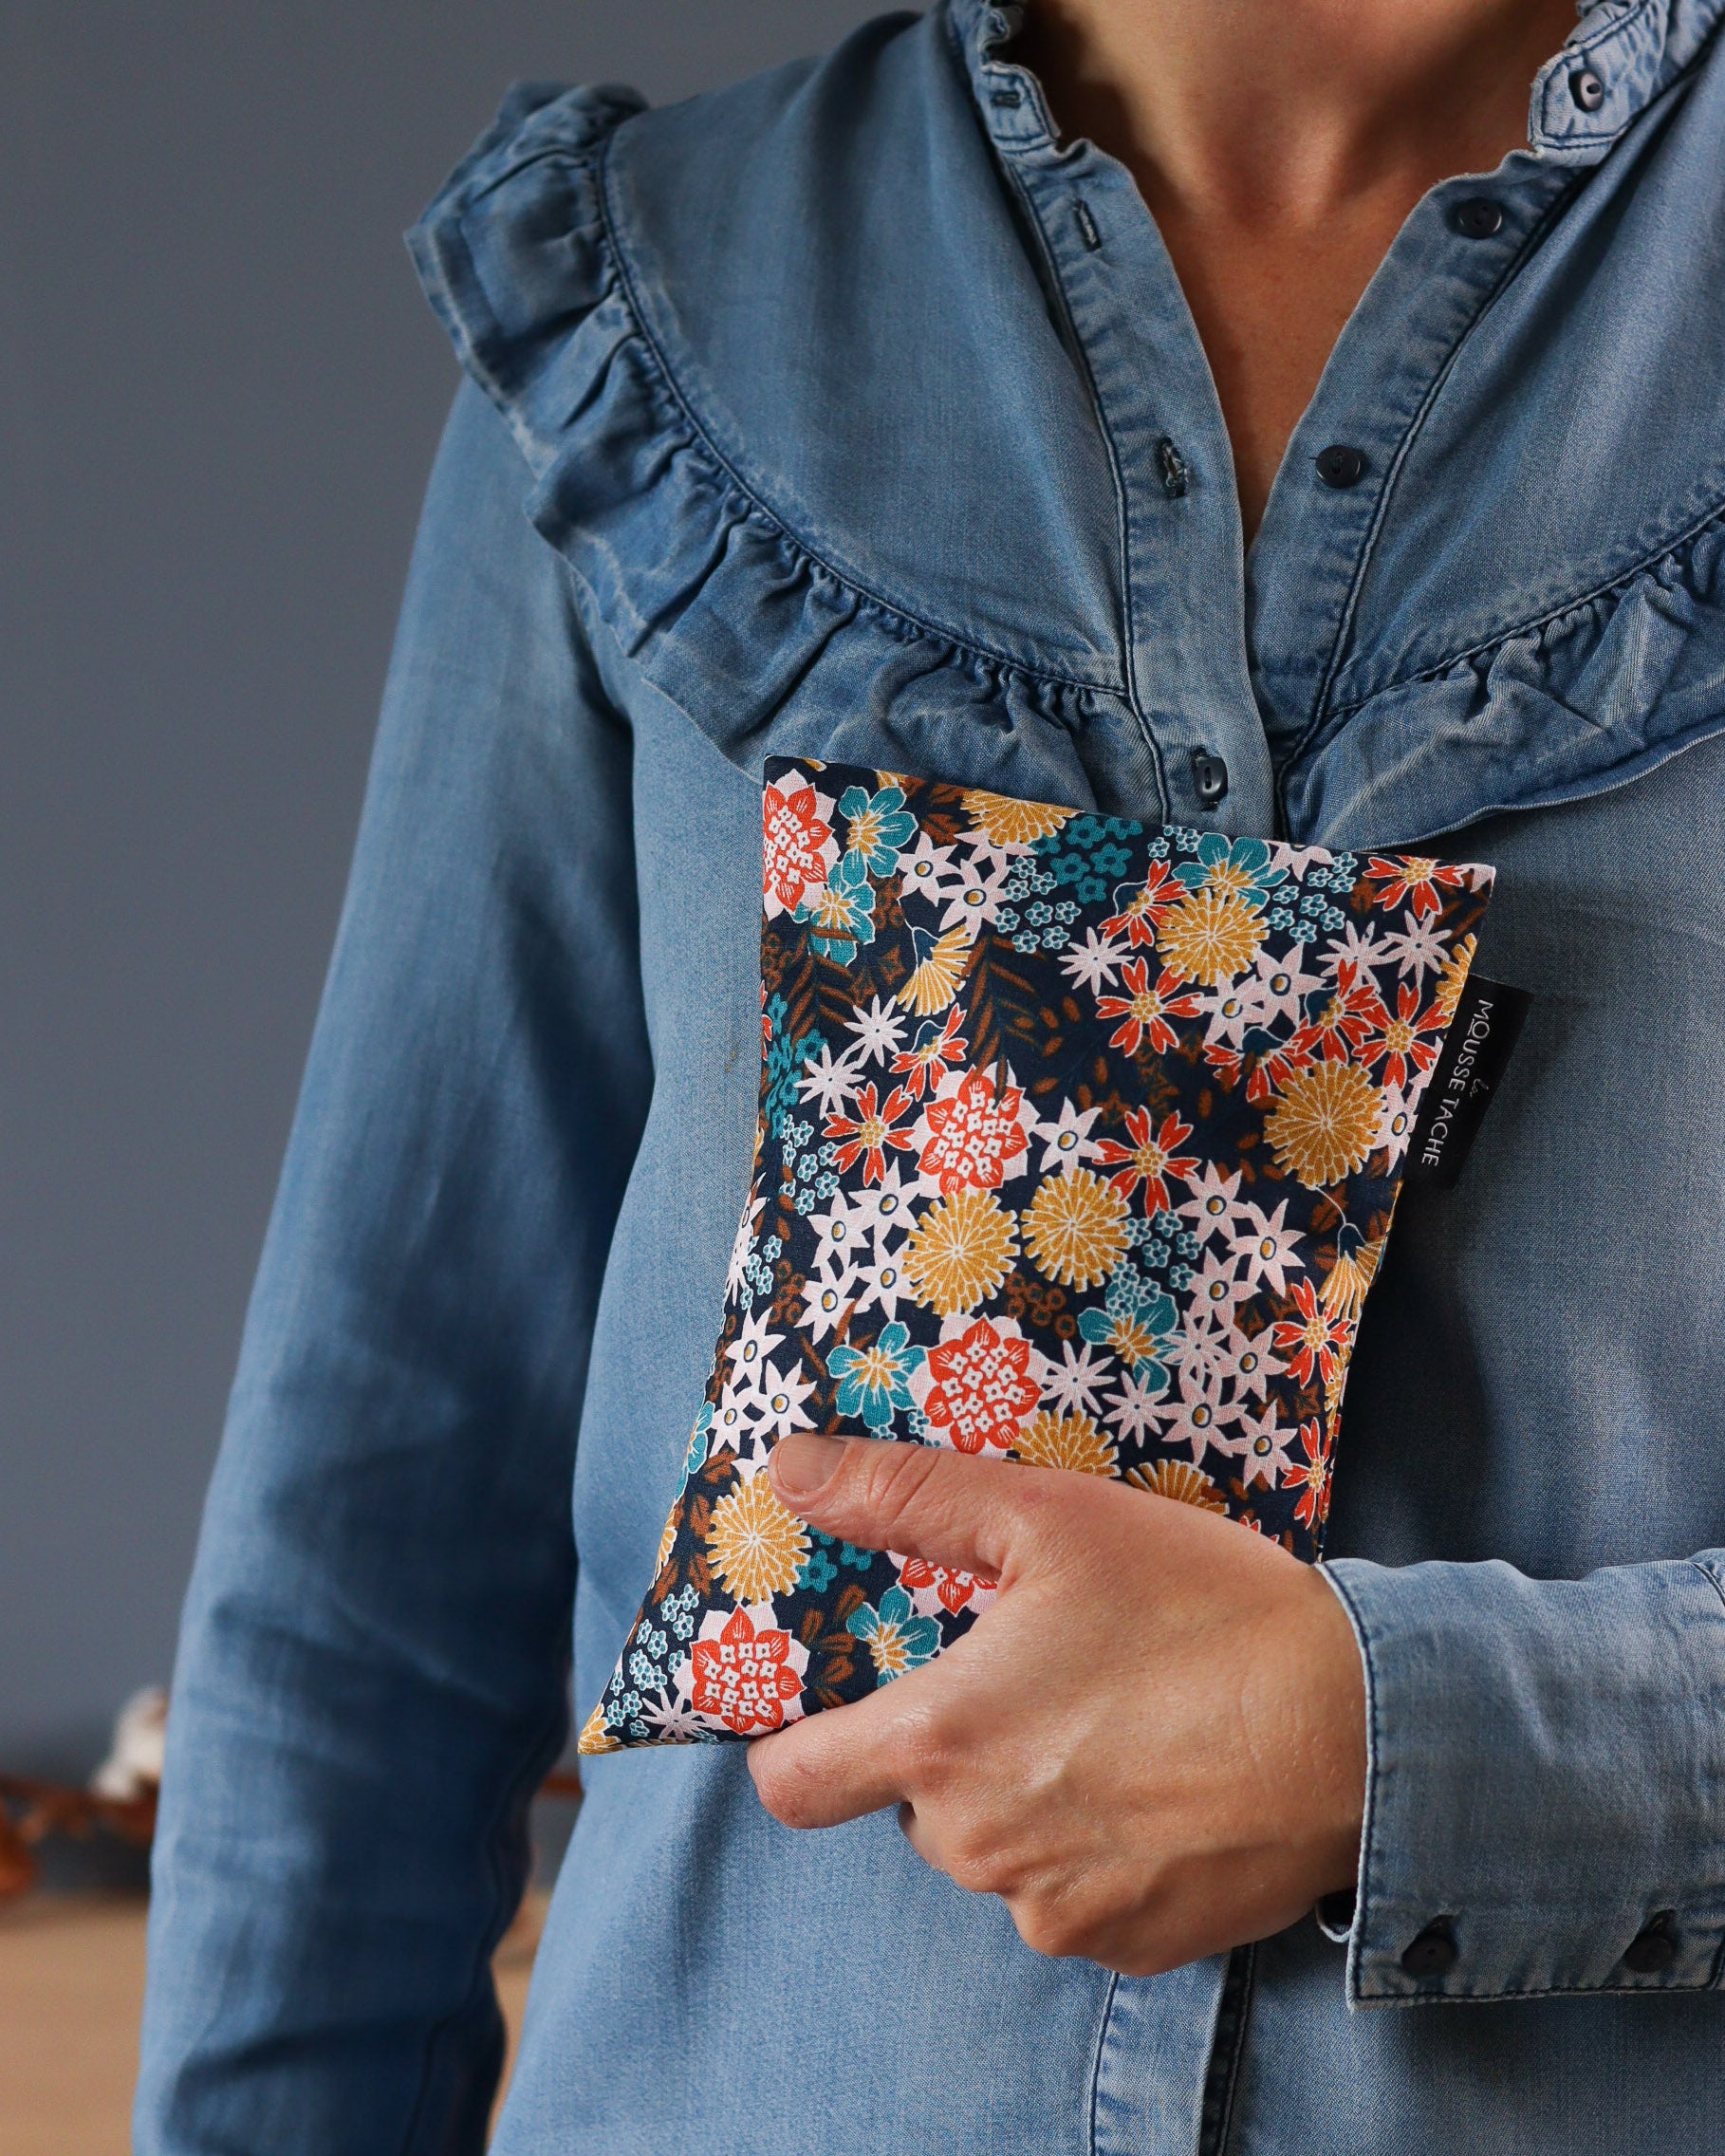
[{"x": 866, "y": 410}]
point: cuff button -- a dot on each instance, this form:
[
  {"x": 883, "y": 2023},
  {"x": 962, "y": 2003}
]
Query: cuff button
[
  {"x": 1434, "y": 1953},
  {"x": 1653, "y": 1947}
]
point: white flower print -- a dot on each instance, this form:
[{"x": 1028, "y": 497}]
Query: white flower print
[
  {"x": 1359, "y": 947},
  {"x": 1418, "y": 948},
  {"x": 1261, "y": 1443},
  {"x": 826, "y": 1299},
  {"x": 1093, "y": 963},
  {"x": 972, "y": 897},
  {"x": 881, "y": 1210},
  {"x": 750, "y": 1351},
  {"x": 879, "y": 1031},
  {"x": 779, "y": 1404},
  {"x": 926, "y": 871},
  {"x": 1076, "y": 1383},
  {"x": 1270, "y": 1246},
  {"x": 829, "y": 1080},
  {"x": 881, "y": 1282},
  {"x": 1066, "y": 1141},
  {"x": 1213, "y": 1205},
  {"x": 1204, "y": 1408},
  {"x": 1138, "y": 1409},
  {"x": 1216, "y": 1289},
  {"x": 742, "y": 1248},
  {"x": 841, "y": 1232}
]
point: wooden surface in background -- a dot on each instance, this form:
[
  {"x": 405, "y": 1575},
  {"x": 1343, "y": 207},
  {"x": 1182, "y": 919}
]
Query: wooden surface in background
[{"x": 71, "y": 1988}]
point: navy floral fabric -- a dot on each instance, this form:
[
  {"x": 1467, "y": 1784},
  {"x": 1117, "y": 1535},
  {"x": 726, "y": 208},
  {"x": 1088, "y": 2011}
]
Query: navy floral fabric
[{"x": 1078, "y": 1146}]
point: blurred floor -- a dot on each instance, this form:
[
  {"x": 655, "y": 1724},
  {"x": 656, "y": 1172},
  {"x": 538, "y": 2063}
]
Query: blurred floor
[{"x": 71, "y": 1983}]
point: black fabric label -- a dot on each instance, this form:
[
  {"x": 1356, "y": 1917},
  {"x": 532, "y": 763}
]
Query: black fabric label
[{"x": 1476, "y": 1054}]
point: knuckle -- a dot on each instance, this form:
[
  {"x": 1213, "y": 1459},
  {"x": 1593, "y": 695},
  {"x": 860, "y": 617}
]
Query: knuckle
[
  {"x": 890, "y": 1477},
  {"x": 786, "y": 1783},
  {"x": 1047, "y": 1929}
]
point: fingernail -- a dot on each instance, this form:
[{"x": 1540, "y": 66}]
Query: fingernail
[{"x": 803, "y": 1464}]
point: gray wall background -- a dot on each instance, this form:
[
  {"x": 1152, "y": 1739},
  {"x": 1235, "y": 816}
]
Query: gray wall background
[{"x": 219, "y": 392}]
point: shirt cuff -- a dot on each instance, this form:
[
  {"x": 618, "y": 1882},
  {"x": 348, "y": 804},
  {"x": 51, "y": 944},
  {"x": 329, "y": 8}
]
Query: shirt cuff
[{"x": 1545, "y": 1787}]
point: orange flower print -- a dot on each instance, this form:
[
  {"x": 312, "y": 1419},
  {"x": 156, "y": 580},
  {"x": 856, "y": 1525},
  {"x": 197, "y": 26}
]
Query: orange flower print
[
  {"x": 953, "y": 1587},
  {"x": 865, "y": 1135},
  {"x": 1396, "y": 1043},
  {"x": 792, "y": 842},
  {"x": 1144, "y": 1012},
  {"x": 1318, "y": 1339},
  {"x": 1146, "y": 907},
  {"x": 982, "y": 1388},
  {"x": 1148, "y": 1158},
  {"x": 1265, "y": 1063},
  {"x": 1413, "y": 881},
  {"x": 1311, "y": 1476},
  {"x": 977, "y": 1134},
  {"x": 743, "y": 1677},
  {"x": 936, "y": 1049},
  {"x": 1346, "y": 1019}
]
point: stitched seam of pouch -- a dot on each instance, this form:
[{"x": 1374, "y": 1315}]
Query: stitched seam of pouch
[
  {"x": 1667, "y": 550},
  {"x": 703, "y": 443}
]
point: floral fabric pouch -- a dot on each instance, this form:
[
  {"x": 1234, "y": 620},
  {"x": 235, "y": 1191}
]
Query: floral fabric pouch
[{"x": 1078, "y": 1146}]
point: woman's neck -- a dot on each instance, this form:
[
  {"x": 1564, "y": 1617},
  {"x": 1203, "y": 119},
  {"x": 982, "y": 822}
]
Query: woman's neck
[{"x": 1279, "y": 145}]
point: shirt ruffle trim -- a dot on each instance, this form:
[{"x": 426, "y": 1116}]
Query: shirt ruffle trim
[{"x": 702, "y": 586}]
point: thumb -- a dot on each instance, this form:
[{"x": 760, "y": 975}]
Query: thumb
[{"x": 916, "y": 1500}]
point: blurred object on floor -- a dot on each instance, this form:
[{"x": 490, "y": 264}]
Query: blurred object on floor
[
  {"x": 71, "y": 1989},
  {"x": 30, "y": 1812},
  {"x": 120, "y": 1802},
  {"x": 133, "y": 1766}
]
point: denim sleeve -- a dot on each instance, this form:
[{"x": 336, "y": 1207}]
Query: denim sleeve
[
  {"x": 1546, "y": 1800},
  {"x": 373, "y": 1666}
]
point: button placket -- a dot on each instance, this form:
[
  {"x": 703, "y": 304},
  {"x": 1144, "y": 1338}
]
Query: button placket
[{"x": 1157, "y": 405}]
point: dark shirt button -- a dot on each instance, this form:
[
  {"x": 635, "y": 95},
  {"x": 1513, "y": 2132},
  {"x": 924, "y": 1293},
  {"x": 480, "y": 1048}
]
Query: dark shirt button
[
  {"x": 1434, "y": 1953},
  {"x": 1653, "y": 1947},
  {"x": 1478, "y": 217},
  {"x": 1340, "y": 466},
  {"x": 1210, "y": 776},
  {"x": 1587, "y": 89},
  {"x": 1176, "y": 477}
]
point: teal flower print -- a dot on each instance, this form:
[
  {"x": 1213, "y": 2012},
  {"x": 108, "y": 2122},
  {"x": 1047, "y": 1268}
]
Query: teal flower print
[
  {"x": 785, "y": 1061},
  {"x": 841, "y": 913},
  {"x": 896, "y": 1637},
  {"x": 1242, "y": 867},
  {"x": 879, "y": 826},
  {"x": 873, "y": 1382},
  {"x": 1137, "y": 1321}
]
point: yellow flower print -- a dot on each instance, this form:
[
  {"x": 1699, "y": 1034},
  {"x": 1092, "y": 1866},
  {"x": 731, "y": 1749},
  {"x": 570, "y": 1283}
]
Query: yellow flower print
[
  {"x": 595, "y": 1735},
  {"x": 1179, "y": 1480},
  {"x": 1353, "y": 1272},
  {"x": 939, "y": 972},
  {"x": 755, "y": 1544},
  {"x": 1323, "y": 1125},
  {"x": 1064, "y": 1441},
  {"x": 1453, "y": 977},
  {"x": 1005, "y": 822},
  {"x": 1075, "y": 1227},
  {"x": 960, "y": 1251},
  {"x": 1210, "y": 936}
]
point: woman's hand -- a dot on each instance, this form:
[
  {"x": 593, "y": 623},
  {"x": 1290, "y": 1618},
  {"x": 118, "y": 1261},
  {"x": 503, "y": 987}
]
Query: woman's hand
[{"x": 1152, "y": 1746}]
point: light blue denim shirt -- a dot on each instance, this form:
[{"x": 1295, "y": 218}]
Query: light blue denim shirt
[{"x": 826, "y": 415}]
